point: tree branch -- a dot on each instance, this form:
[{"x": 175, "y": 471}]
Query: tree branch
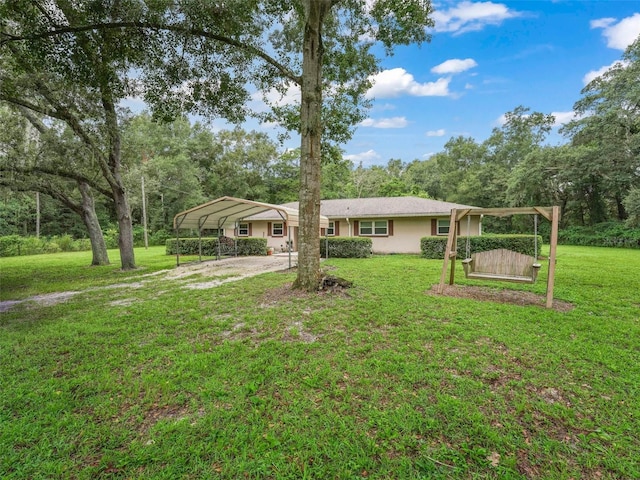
[
  {"x": 59, "y": 173},
  {"x": 287, "y": 73}
]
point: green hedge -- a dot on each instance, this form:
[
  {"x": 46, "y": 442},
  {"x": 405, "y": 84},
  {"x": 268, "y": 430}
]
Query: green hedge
[
  {"x": 346, "y": 247},
  {"x": 15, "y": 245},
  {"x": 433, "y": 247},
  {"x": 609, "y": 234},
  {"x": 247, "y": 246}
]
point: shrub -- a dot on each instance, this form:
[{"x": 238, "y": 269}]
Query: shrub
[
  {"x": 111, "y": 237},
  {"x": 346, "y": 247},
  {"x": 609, "y": 234},
  {"x": 247, "y": 246},
  {"x": 159, "y": 238},
  {"x": 10, "y": 245},
  {"x": 66, "y": 243},
  {"x": 433, "y": 247},
  {"x": 15, "y": 245}
]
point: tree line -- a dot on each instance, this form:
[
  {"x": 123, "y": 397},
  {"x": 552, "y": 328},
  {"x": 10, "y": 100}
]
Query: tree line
[
  {"x": 65, "y": 70},
  {"x": 75, "y": 62}
]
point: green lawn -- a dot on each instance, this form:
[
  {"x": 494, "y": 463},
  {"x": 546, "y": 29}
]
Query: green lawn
[{"x": 247, "y": 381}]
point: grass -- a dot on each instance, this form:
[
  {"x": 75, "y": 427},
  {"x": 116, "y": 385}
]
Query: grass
[{"x": 246, "y": 381}]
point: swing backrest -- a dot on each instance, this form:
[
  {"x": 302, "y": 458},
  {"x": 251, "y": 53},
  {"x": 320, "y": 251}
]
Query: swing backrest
[{"x": 501, "y": 264}]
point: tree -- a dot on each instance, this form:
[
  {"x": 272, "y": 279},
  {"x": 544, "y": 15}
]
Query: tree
[
  {"x": 84, "y": 92},
  {"x": 322, "y": 46},
  {"x": 609, "y": 125},
  {"x": 160, "y": 153},
  {"x": 43, "y": 159}
]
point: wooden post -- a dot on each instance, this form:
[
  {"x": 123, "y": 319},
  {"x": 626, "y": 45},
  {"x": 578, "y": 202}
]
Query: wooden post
[
  {"x": 552, "y": 255},
  {"x": 447, "y": 253}
]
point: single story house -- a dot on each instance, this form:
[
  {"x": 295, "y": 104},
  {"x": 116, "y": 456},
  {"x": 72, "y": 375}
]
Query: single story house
[{"x": 394, "y": 224}]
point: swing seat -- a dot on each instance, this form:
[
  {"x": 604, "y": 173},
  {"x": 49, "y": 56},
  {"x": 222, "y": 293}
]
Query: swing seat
[{"x": 501, "y": 265}]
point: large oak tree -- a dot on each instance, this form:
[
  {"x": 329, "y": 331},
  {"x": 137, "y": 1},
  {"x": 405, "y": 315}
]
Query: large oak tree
[{"x": 203, "y": 55}]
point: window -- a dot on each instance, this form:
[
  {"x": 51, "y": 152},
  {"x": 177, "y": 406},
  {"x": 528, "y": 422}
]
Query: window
[
  {"x": 331, "y": 230},
  {"x": 378, "y": 227},
  {"x": 243, "y": 229},
  {"x": 443, "y": 227},
  {"x": 277, "y": 230},
  {"x": 217, "y": 232}
]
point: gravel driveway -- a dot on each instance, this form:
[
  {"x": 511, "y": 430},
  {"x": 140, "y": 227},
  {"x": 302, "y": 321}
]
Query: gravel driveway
[{"x": 210, "y": 273}]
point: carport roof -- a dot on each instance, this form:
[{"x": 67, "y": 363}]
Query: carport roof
[{"x": 225, "y": 211}]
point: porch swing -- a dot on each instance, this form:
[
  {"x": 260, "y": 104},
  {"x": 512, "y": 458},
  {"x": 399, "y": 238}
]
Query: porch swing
[{"x": 501, "y": 264}]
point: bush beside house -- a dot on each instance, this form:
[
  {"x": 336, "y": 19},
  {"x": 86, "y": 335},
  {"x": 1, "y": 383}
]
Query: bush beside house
[
  {"x": 247, "y": 246},
  {"x": 346, "y": 247},
  {"x": 433, "y": 247}
]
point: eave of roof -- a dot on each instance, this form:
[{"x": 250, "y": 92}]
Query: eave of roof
[{"x": 225, "y": 211}]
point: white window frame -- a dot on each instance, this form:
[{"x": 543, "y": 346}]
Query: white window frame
[
  {"x": 243, "y": 229},
  {"x": 375, "y": 225},
  {"x": 331, "y": 229},
  {"x": 280, "y": 228},
  {"x": 443, "y": 229}
]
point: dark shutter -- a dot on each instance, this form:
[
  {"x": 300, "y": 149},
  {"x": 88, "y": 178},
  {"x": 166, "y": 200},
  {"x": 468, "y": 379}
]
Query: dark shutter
[
  {"x": 336, "y": 228},
  {"x": 356, "y": 228},
  {"x": 323, "y": 232},
  {"x": 434, "y": 227},
  {"x": 458, "y": 228},
  {"x": 390, "y": 230},
  {"x": 268, "y": 229},
  {"x": 235, "y": 232},
  {"x": 249, "y": 232}
]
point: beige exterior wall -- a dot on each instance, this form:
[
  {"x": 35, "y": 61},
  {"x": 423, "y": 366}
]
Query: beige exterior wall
[
  {"x": 260, "y": 229},
  {"x": 407, "y": 233}
]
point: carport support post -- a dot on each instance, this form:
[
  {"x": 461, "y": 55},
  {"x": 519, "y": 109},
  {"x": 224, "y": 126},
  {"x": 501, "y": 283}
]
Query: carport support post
[
  {"x": 290, "y": 245},
  {"x": 177, "y": 247}
]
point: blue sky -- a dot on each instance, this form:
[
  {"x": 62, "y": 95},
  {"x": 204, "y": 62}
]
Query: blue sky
[{"x": 485, "y": 59}]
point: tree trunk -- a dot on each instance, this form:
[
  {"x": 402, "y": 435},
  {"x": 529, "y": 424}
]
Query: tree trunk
[
  {"x": 310, "y": 159},
  {"x": 90, "y": 219},
  {"x": 123, "y": 213},
  {"x": 125, "y": 229}
]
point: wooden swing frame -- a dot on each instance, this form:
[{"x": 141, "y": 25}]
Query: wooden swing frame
[{"x": 550, "y": 213}]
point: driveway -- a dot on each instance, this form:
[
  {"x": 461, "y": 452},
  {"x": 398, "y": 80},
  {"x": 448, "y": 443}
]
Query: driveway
[
  {"x": 210, "y": 273},
  {"x": 231, "y": 269}
]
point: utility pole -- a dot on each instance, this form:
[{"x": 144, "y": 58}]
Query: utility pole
[
  {"x": 144, "y": 218},
  {"x": 37, "y": 214}
]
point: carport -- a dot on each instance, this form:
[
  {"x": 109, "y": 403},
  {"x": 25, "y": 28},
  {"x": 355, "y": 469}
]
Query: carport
[{"x": 227, "y": 211}]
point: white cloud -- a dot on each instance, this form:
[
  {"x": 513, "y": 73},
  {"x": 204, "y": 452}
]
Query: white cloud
[
  {"x": 455, "y": 65},
  {"x": 273, "y": 97},
  {"x": 500, "y": 121},
  {"x": 593, "y": 74},
  {"x": 560, "y": 118},
  {"x": 602, "y": 22},
  {"x": 563, "y": 117},
  {"x": 436, "y": 133},
  {"x": 619, "y": 35},
  {"x": 397, "y": 82},
  {"x": 368, "y": 157},
  {"x": 469, "y": 16},
  {"x": 393, "y": 122}
]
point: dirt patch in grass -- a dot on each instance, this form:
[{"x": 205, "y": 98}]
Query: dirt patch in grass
[
  {"x": 286, "y": 293},
  {"x": 512, "y": 297}
]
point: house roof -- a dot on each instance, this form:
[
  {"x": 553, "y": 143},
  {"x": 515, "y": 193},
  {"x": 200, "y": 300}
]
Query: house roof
[
  {"x": 378, "y": 207},
  {"x": 225, "y": 211}
]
